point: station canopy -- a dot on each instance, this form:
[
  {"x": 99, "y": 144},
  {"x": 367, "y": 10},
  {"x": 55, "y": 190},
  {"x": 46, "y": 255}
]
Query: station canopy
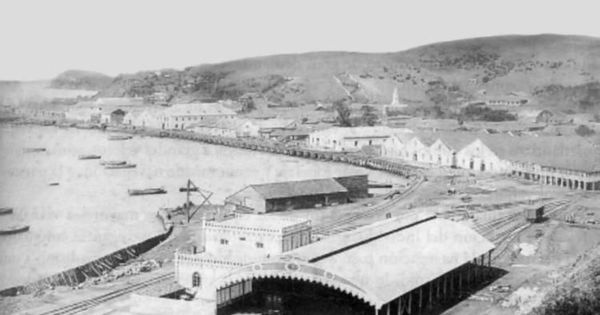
[{"x": 376, "y": 263}]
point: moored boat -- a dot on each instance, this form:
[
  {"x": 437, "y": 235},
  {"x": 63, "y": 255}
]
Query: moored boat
[
  {"x": 185, "y": 189},
  {"x": 54, "y": 184},
  {"x": 107, "y": 163},
  {"x": 30, "y": 150},
  {"x": 14, "y": 229},
  {"x": 119, "y": 166},
  {"x": 89, "y": 157},
  {"x": 119, "y": 137},
  {"x": 147, "y": 191},
  {"x": 4, "y": 211}
]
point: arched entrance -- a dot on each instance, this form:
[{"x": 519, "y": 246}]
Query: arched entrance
[{"x": 294, "y": 296}]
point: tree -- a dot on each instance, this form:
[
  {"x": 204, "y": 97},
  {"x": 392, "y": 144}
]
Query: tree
[
  {"x": 248, "y": 104},
  {"x": 369, "y": 116},
  {"x": 584, "y": 131},
  {"x": 342, "y": 107}
]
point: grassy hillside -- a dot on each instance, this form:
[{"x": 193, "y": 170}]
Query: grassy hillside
[
  {"x": 446, "y": 73},
  {"x": 81, "y": 80}
]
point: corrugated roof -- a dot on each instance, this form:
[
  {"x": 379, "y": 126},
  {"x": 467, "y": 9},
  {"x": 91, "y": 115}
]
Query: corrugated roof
[
  {"x": 407, "y": 258},
  {"x": 299, "y": 188}
]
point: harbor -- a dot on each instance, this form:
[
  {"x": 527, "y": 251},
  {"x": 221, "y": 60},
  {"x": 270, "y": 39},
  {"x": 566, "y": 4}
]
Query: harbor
[{"x": 108, "y": 206}]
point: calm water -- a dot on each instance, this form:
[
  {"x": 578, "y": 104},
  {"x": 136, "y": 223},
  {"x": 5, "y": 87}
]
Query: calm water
[{"x": 90, "y": 213}]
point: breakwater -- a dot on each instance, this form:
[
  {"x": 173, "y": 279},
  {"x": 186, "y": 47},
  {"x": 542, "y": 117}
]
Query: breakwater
[{"x": 95, "y": 268}]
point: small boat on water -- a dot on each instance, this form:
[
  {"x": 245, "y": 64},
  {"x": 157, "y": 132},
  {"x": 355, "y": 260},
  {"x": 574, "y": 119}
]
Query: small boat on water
[
  {"x": 14, "y": 229},
  {"x": 89, "y": 157},
  {"x": 54, "y": 184},
  {"x": 379, "y": 185},
  {"x": 4, "y": 211},
  {"x": 119, "y": 166},
  {"x": 108, "y": 163},
  {"x": 147, "y": 191},
  {"x": 31, "y": 150},
  {"x": 185, "y": 189},
  {"x": 119, "y": 137}
]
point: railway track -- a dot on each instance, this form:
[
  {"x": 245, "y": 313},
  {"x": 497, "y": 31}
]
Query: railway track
[
  {"x": 501, "y": 230},
  {"x": 345, "y": 223},
  {"x": 84, "y": 305}
]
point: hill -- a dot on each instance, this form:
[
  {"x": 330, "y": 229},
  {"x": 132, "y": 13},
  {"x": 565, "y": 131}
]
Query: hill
[
  {"x": 553, "y": 70},
  {"x": 81, "y": 80}
]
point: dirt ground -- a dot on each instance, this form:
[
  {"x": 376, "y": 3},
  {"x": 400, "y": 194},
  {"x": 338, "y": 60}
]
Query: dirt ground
[{"x": 538, "y": 259}]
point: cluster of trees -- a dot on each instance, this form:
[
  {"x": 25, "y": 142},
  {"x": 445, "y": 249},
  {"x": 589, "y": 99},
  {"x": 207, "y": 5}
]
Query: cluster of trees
[
  {"x": 479, "y": 112},
  {"x": 584, "y": 131},
  {"x": 344, "y": 117}
]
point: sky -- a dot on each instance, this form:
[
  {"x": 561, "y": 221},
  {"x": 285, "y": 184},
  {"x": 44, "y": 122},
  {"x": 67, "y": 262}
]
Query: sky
[{"x": 41, "y": 38}]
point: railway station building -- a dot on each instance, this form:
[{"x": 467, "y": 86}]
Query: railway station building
[{"x": 401, "y": 265}]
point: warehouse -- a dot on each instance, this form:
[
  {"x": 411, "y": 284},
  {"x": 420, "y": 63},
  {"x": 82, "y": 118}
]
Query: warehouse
[{"x": 291, "y": 195}]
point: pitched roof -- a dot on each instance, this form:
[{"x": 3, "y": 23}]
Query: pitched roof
[
  {"x": 226, "y": 123},
  {"x": 299, "y": 188},
  {"x": 205, "y": 109},
  {"x": 455, "y": 140},
  {"x": 566, "y": 152},
  {"x": 360, "y": 132}
]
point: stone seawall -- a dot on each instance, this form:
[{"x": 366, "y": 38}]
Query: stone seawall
[{"x": 80, "y": 274}]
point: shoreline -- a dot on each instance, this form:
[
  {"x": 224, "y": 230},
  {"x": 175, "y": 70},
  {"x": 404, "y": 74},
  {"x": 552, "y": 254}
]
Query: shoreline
[{"x": 67, "y": 278}]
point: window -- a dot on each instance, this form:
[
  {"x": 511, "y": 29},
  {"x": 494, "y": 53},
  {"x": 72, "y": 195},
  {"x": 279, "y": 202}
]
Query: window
[
  {"x": 370, "y": 142},
  {"x": 196, "y": 281},
  {"x": 356, "y": 143},
  {"x": 259, "y": 245},
  {"x": 224, "y": 241},
  {"x": 242, "y": 238}
]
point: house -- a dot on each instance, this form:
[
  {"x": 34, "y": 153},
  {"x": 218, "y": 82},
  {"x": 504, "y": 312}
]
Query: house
[
  {"x": 478, "y": 156},
  {"x": 226, "y": 127},
  {"x": 551, "y": 117},
  {"x": 350, "y": 138},
  {"x": 179, "y": 116},
  {"x": 281, "y": 196},
  {"x": 267, "y": 126}
]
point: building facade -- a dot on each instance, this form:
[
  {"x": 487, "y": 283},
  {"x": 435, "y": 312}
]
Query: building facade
[{"x": 180, "y": 116}]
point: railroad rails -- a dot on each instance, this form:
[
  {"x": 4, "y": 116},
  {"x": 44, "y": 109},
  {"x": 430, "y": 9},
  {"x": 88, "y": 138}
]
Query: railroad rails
[
  {"x": 95, "y": 301},
  {"x": 501, "y": 230},
  {"x": 345, "y": 223}
]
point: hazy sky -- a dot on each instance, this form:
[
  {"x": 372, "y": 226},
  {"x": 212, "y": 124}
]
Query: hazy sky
[{"x": 40, "y": 39}]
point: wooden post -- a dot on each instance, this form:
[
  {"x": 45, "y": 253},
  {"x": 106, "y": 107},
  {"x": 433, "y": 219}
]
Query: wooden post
[
  {"x": 420, "y": 298},
  {"x": 387, "y": 308},
  {"x": 410, "y": 303},
  {"x": 400, "y": 306},
  {"x": 445, "y": 284},
  {"x": 430, "y": 304},
  {"x": 187, "y": 201}
]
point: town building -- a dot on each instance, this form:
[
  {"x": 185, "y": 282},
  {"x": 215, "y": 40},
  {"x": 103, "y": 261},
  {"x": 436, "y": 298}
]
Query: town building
[
  {"x": 282, "y": 196},
  {"x": 420, "y": 259},
  {"x": 226, "y": 127},
  {"x": 234, "y": 242},
  {"x": 179, "y": 116},
  {"x": 350, "y": 139}
]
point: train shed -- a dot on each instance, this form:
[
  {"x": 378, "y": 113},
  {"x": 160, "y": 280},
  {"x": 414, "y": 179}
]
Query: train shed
[{"x": 397, "y": 266}]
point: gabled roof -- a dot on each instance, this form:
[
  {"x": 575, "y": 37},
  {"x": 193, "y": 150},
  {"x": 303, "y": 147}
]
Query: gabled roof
[
  {"x": 360, "y": 132},
  {"x": 299, "y": 188},
  {"x": 199, "y": 109},
  {"x": 260, "y": 221},
  {"x": 566, "y": 152}
]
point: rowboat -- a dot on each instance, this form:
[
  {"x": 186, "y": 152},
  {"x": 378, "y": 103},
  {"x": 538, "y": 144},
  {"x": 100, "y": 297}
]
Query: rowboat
[
  {"x": 185, "y": 189},
  {"x": 110, "y": 163},
  {"x": 4, "y": 211},
  {"x": 54, "y": 184},
  {"x": 14, "y": 229},
  {"x": 119, "y": 137},
  {"x": 147, "y": 191},
  {"x": 119, "y": 166},
  {"x": 30, "y": 150},
  {"x": 89, "y": 157}
]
